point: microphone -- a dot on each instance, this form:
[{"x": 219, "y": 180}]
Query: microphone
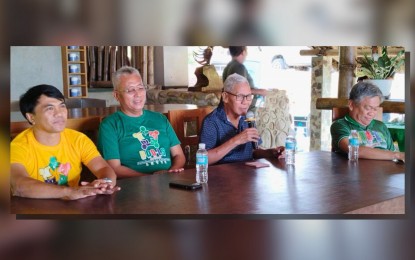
[{"x": 250, "y": 118}]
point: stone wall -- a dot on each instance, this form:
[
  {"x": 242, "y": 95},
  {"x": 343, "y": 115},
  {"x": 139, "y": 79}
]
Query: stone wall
[
  {"x": 182, "y": 96},
  {"x": 274, "y": 120}
]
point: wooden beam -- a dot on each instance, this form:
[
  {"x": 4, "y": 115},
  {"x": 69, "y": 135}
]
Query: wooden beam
[
  {"x": 389, "y": 106},
  {"x": 392, "y": 51}
]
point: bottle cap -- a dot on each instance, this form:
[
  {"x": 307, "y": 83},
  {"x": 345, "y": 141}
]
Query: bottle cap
[{"x": 202, "y": 146}]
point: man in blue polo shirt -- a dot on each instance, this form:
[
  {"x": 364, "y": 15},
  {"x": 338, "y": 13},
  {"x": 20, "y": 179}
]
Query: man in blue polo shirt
[
  {"x": 375, "y": 140},
  {"x": 225, "y": 131}
]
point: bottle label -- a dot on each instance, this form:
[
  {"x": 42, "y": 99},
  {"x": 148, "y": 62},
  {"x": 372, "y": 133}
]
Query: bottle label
[
  {"x": 354, "y": 142},
  {"x": 289, "y": 146},
  {"x": 201, "y": 159}
]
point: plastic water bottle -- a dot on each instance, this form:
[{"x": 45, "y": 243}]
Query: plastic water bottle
[
  {"x": 202, "y": 164},
  {"x": 353, "y": 146},
  {"x": 290, "y": 144}
]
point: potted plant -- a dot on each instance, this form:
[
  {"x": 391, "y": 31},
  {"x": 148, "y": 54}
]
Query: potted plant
[{"x": 380, "y": 71}]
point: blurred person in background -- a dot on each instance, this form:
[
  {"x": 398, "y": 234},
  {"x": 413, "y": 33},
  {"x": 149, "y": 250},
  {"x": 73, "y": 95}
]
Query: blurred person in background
[
  {"x": 239, "y": 54},
  {"x": 375, "y": 140},
  {"x": 135, "y": 141},
  {"x": 46, "y": 159},
  {"x": 225, "y": 130}
]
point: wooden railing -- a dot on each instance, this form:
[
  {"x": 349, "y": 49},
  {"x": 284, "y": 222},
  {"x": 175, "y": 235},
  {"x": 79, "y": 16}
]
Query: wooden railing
[{"x": 389, "y": 106}]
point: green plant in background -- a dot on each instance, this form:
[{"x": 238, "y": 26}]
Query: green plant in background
[{"x": 384, "y": 68}]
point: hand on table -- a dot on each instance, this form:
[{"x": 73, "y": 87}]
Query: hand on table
[
  {"x": 279, "y": 152},
  {"x": 103, "y": 186},
  {"x": 176, "y": 170}
]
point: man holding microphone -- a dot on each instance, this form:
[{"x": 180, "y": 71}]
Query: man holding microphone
[{"x": 226, "y": 130}]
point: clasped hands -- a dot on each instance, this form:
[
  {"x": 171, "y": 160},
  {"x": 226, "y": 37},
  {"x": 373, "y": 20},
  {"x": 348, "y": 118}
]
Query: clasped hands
[{"x": 102, "y": 186}]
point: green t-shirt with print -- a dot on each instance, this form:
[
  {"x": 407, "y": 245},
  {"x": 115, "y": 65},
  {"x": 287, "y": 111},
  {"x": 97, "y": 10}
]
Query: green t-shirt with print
[
  {"x": 375, "y": 135},
  {"x": 141, "y": 143}
]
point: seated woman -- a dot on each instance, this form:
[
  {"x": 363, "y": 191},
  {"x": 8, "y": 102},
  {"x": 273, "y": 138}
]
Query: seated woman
[
  {"x": 375, "y": 141},
  {"x": 135, "y": 141}
]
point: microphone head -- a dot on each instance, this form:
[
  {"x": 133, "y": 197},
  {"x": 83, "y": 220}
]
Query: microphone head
[{"x": 250, "y": 116}]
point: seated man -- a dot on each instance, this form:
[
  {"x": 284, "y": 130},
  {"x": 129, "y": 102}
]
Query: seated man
[
  {"x": 375, "y": 140},
  {"x": 46, "y": 158},
  {"x": 135, "y": 141},
  {"x": 239, "y": 55},
  {"x": 225, "y": 130}
]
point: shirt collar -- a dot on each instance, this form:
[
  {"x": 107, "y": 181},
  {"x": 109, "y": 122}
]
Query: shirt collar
[
  {"x": 349, "y": 119},
  {"x": 224, "y": 117}
]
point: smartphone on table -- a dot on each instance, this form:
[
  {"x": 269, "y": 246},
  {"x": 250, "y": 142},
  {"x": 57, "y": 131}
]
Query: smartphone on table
[{"x": 187, "y": 185}]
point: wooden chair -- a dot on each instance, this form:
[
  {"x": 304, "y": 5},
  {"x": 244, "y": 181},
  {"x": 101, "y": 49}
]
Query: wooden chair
[
  {"x": 88, "y": 126},
  {"x": 340, "y": 112},
  {"x": 187, "y": 125}
]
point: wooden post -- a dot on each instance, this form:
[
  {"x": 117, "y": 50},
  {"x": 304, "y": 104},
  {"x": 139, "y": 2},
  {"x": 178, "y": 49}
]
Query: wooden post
[
  {"x": 347, "y": 67},
  {"x": 138, "y": 57},
  {"x": 113, "y": 60},
  {"x": 99, "y": 64},
  {"x": 92, "y": 68},
  {"x": 150, "y": 65},
  {"x": 106, "y": 62},
  {"x": 144, "y": 65}
]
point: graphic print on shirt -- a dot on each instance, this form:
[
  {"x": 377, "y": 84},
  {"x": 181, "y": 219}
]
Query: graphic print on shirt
[
  {"x": 372, "y": 139},
  {"x": 55, "y": 170},
  {"x": 151, "y": 152}
]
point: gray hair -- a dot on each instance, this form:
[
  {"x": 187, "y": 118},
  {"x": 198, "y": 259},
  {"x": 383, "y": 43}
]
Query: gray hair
[
  {"x": 232, "y": 80},
  {"x": 364, "y": 89},
  {"x": 123, "y": 71}
]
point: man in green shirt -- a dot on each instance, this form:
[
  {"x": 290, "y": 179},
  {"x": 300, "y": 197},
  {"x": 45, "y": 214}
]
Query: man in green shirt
[
  {"x": 375, "y": 141},
  {"x": 136, "y": 141}
]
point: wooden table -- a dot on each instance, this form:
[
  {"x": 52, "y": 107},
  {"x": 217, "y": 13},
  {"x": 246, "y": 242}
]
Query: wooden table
[{"x": 321, "y": 183}]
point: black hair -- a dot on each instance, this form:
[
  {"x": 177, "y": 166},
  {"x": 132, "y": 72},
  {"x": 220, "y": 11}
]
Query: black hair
[
  {"x": 29, "y": 100},
  {"x": 362, "y": 78},
  {"x": 236, "y": 50}
]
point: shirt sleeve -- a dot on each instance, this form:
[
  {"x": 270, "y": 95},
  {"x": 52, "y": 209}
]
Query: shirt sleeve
[
  {"x": 388, "y": 136},
  {"x": 209, "y": 133},
  {"x": 338, "y": 132},
  {"x": 18, "y": 153},
  {"x": 87, "y": 148},
  {"x": 107, "y": 140}
]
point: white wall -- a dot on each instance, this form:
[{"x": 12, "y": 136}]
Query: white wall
[
  {"x": 175, "y": 66},
  {"x": 33, "y": 65},
  {"x": 30, "y": 66}
]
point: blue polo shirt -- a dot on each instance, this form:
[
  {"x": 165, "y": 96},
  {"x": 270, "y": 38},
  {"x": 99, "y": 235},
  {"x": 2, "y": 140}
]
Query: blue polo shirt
[{"x": 216, "y": 130}]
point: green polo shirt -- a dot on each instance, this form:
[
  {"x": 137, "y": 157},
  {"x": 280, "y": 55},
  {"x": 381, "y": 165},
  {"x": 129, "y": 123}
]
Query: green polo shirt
[{"x": 375, "y": 135}]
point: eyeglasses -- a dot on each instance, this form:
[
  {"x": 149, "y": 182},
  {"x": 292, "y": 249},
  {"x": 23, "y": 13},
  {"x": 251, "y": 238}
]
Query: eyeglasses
[
  {"x": 132, "y": 91},
  {"x": 241, "y": 97}
]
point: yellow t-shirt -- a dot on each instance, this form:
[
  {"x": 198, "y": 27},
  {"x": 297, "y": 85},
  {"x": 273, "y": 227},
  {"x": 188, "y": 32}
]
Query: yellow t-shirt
[{"x": 60, "y": 164}]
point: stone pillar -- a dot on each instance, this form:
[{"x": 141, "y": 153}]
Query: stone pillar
[
  {"x": 320, "y": 120},
  {"x": 274, "y": 120},
  {"x": 347, "y": 67}
]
